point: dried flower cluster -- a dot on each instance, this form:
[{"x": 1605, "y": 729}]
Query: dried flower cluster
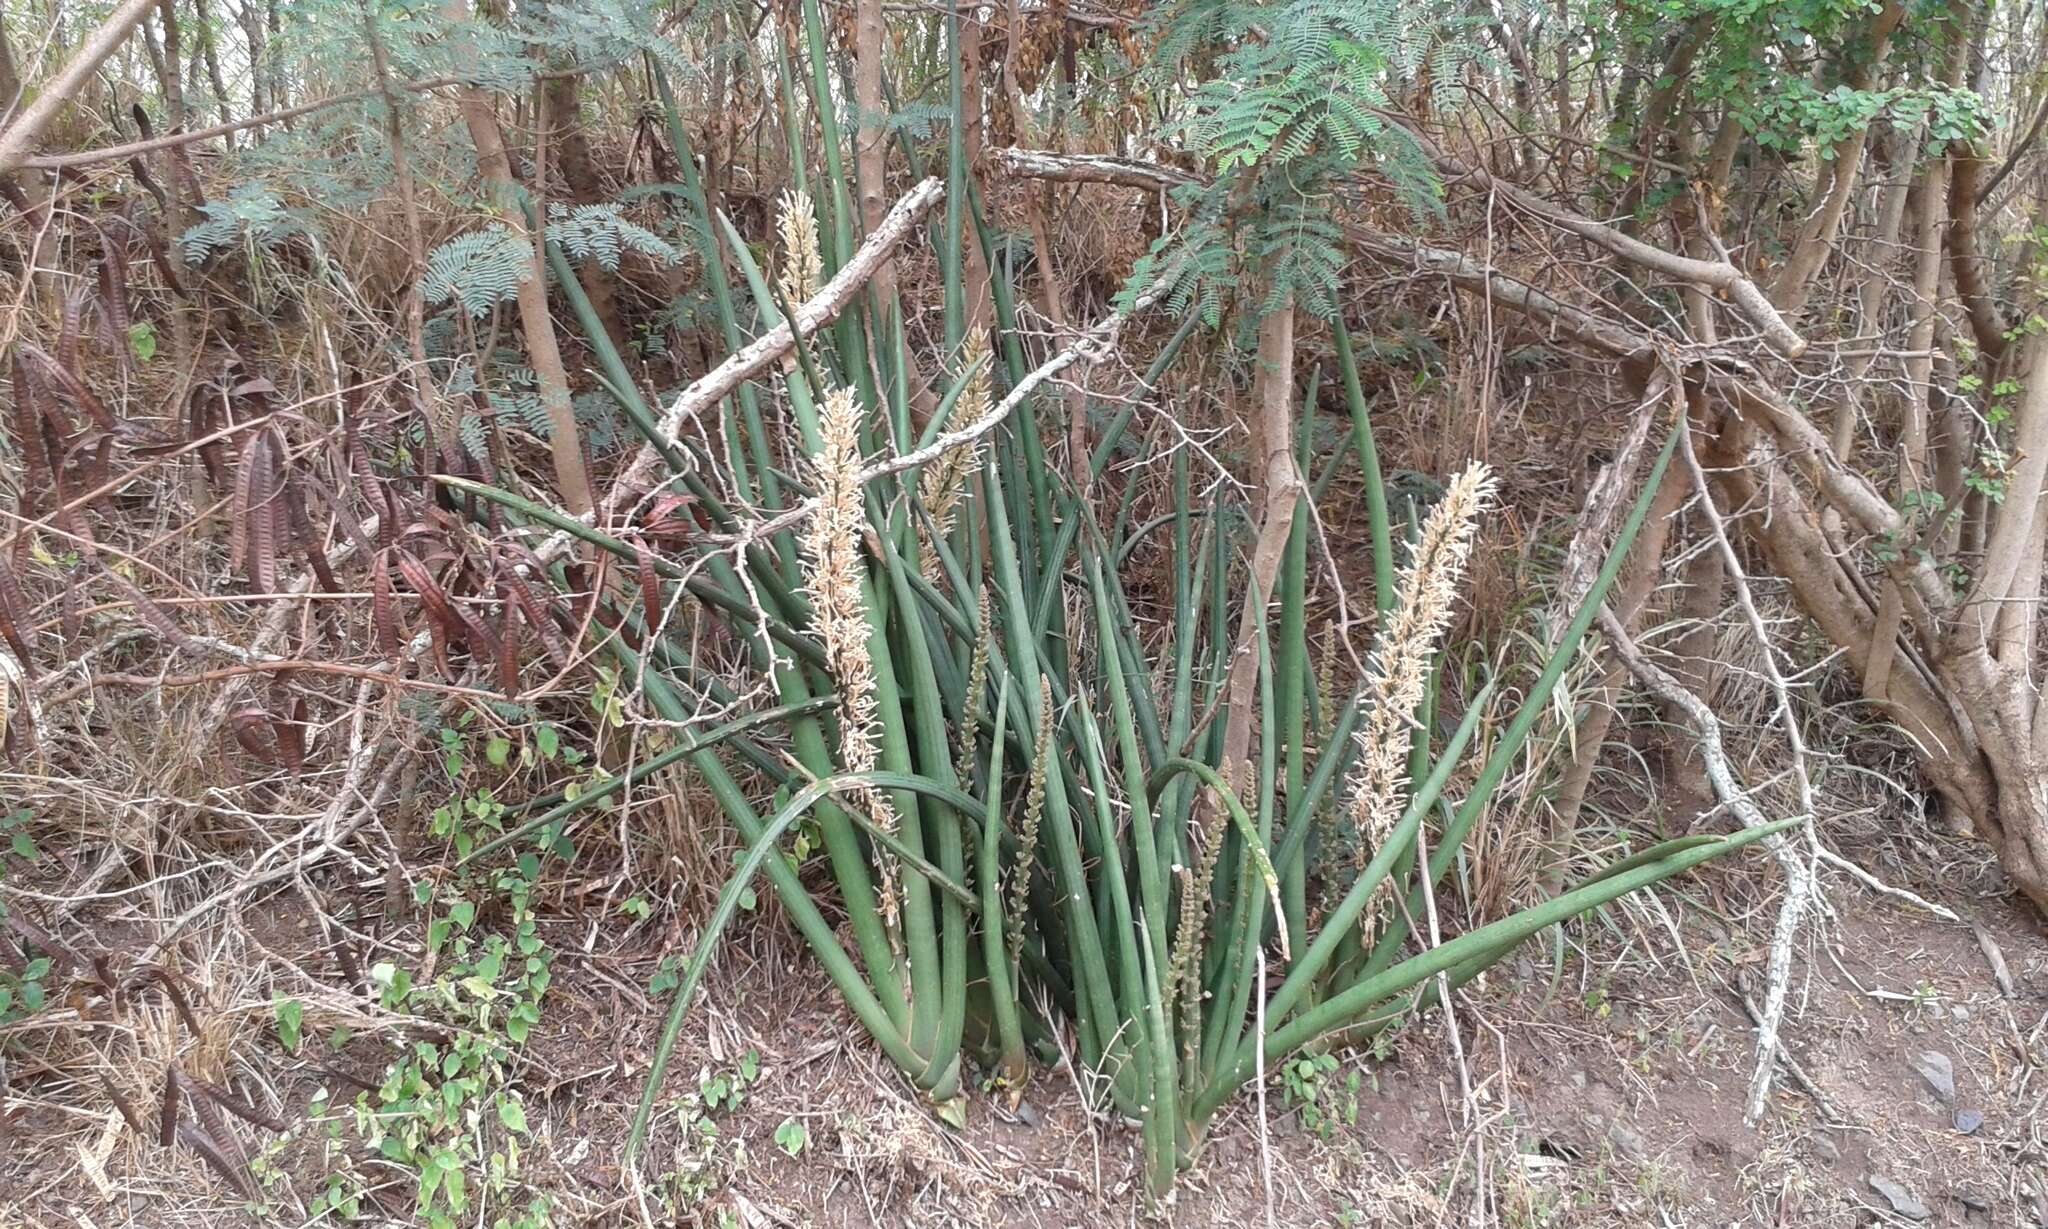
[
  {"x": 1401, "y": 661},
  {"x": 1027, "y": 830},
  {"x": 944, "y": 480},
  {"x": 977, "y": 687},
  {"x": 833, "y": 577},
  {"x": 802, "y": 266}
]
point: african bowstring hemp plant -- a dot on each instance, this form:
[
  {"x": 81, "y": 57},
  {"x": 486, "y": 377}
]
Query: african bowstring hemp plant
[
  {"x": 1073, "y": 761},
  {"x": 1065, "y": 854},
  {"x": 1332, "y": 988}
]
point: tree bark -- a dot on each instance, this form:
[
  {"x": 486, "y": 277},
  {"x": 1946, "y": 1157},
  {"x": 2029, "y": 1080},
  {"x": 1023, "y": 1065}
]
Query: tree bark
[
  {"x": 562, "y": 96},
  {"x": 1629, "y": 600},
  {"x": 1277, "y": 491},
  {"x": 209, "y": 48},
  {"x": 871, "y": 134},
  {"x": 1817, "y": 235},
  {"x": 494, "y": 164},
  {"x": 1975, "y": 721},
  {"x": 1704, "y": 592},
  {"x": 981, "y": 307},
  {"x": 250, "y": 17},
  {"x": 439, "y": 414}
]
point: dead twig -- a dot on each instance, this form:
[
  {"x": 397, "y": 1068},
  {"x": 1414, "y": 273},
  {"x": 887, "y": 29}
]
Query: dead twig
[{"x": 1721, "y": 776}]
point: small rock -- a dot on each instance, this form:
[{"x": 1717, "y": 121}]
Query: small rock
[
  {"x": 1967, "y": 1121},
  {"x": 1940, "y": 1074},
  {"x": 1825, "y": 1147},
  {"x": 1028, "y": 1114},
  {"x": 1902, "y": 1200},
  {"x": 1579, "y": 1080},
  {"x": 1627, "y": 1142},
  {"x": 1960, "y": 1012},
  {"x": 1976, "y": 1201}
]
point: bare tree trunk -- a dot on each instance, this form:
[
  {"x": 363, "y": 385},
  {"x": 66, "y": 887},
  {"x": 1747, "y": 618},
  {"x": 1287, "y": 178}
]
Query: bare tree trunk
[
  {"x": 279, "y": 96},
  {"x": 181, "y": 185},
  {"x": 28, "y": 193},
  {"x": 249, "y": 15},
  {"x": 1660, "y": 110},
  {"x": 1891, "y": 214},
  {"x": 174, "y": 106},
  {"x": 209, "y": 46},
  {"x": 1704, "y": 592},
  {"x": 562, "y": 96},
  {"x": 1817, "y": 235},
  {"x": 981, "y": 306},
  {"x": 1967, "y": 162},
  {"x": 1974, "y": 715},
  {"x": 871, "y": 134},
  {"x": 10, "y": 71},
  {"x": 565, "y": 441},
  {"x": 1277, "y": 490},
  {"x": 1686, "y": 790},
  {"x": 439, "y": 414},
  {"x": 1629, "y": 600}
]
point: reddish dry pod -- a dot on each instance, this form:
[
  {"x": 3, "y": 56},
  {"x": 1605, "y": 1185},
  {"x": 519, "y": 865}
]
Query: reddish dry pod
[
  {"x": 676, "y": 516},
  {"x": 250, "y": 727}
]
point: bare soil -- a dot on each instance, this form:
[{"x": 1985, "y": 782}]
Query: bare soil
[{"x": 1601, "y": 1083}]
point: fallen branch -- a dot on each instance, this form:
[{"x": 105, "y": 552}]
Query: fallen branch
[
  {"x": 1561, "y": 318},
  {"x": 115, "y": 153},
  {"x": 1798, "y": 875},
  {"x": 1791, "y": 1064},
  {"x": 62, "y": 88},
  {"x": 1090, "y": 168},
  {"x": 1720, "y": 275},
  {"x": 766, "y": 350},
  {"x": 1799, "y": 886}
]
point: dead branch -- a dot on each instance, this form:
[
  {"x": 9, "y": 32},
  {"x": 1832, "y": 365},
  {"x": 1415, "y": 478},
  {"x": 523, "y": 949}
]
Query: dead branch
[
  {"x": 1721, "y": 275},
  {"x": 62, "y": 88},
  {"x": 768, "y": 349},
  {"x": 1090, "y": 168},
  {"x": 1799, "y": 888},
  {"x": 1562, "y": 319}
]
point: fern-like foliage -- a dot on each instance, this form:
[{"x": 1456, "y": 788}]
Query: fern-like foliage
[
  {"x": 251, "y": 214},
  {"x": 605, "y": 32},
  {"x": 600, "y": 421},
  {"x": 1304, "y": 78},
  {"x": 1299, "y": 246},
  {"x": 1200, "y": 257},
  {"x": 478, "y": 270},
  {"x": 603, "y": 234},
  {"x": 921, "y": 119},
  {"x": 474, "y": 438},
  {"x": 1290, "y": 106},
  {"x": 521, "y": 408}
]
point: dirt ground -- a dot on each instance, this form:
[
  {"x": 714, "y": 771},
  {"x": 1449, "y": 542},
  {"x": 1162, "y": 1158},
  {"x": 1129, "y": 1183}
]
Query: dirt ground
[{"x": 1600, "y": 1081}]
